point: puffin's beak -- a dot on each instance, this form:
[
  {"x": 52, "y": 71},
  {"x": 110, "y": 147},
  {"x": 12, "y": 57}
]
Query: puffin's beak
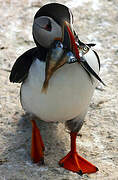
[{"x": 69, "y": 40}]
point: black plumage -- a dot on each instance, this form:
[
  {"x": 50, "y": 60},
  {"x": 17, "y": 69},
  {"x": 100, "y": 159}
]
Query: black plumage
[
  {"x": 56, "y": 11},
  {"x": 22, "y": 65}
]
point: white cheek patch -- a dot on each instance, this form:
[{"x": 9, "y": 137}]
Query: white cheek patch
[{"x": 44, "y": 37}]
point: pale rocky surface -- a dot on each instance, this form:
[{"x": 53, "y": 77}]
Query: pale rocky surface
[{"x": 95, "y": 21}]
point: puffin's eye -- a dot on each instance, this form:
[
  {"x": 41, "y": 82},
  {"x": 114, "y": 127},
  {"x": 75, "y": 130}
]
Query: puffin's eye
[
  {"x": 48, "y": 26},
  {"x": 44, "y": 23},
  {"x": 85, "y": 49}
]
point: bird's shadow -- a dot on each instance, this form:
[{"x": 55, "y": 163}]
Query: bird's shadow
[{"x": 19, "y": 145}]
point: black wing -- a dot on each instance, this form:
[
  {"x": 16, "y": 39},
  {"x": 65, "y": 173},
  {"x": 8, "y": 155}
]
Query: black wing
[
  {"x": 86, "y": 66},
  {"x": 22, "y": 65}
]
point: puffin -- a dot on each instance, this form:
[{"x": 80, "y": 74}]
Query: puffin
[{"x": 58, "y": 78}]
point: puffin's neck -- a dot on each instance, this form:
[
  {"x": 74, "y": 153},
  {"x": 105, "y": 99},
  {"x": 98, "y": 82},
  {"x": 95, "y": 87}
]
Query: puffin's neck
[{"x": 41, "y": 50}]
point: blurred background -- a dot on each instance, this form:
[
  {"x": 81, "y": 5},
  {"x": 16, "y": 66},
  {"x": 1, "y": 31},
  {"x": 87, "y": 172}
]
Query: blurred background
[{"x": 95, "y": 21}]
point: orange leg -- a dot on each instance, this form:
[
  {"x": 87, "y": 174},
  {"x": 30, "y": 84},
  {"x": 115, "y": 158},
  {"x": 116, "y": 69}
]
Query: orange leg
[
  {"x": 74, "y": 162},
  {"x": 37, "y": 147}
]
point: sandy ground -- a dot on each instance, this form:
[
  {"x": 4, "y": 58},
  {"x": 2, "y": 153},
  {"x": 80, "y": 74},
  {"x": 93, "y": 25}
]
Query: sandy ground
[{"x": 95, "y": 21}]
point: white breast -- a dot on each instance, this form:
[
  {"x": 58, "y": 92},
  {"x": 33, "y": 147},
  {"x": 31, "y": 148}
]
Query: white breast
[{"x": 69, "y": 92}]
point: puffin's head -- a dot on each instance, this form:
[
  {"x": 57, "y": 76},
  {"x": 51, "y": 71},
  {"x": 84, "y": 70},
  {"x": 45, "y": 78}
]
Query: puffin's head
[
  {"x": 45, "y": 31},
  {"x": 48, "y": 23}
]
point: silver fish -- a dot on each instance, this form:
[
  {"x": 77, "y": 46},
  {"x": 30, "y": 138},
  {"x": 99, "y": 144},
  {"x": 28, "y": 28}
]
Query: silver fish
[{"x": 56, "y": 57}]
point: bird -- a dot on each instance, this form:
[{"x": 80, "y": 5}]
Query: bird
[{"x": 70, "y": 87}]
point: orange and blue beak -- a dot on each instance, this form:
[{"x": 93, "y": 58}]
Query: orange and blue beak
[{"x": 68, "y": 40}]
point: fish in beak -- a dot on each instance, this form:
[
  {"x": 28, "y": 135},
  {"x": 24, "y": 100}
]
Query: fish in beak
[
  {"x": 53, "y": 62},
  {"x": 61, "y": 51}
]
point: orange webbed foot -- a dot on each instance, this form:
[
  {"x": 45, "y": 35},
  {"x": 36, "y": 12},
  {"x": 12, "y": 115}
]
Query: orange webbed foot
[
  {"x": 70, "y": 162},
  {"x": 74, "y": 162},
  {"x": 37, "y": 147}
]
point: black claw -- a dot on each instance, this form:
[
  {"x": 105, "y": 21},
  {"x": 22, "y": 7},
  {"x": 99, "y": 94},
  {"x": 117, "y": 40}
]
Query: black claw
[
  {"x": 41, "y": 162},
  {"x": 61, "y": 164},
  {"x": 97, "y": 169},
  {"x": 80, "y": 135},
  {"x": 43, "y": 149},
  {"x": 80, "y": 173}
]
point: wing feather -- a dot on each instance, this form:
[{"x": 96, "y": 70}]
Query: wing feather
[{"x": 22, "y": 65}]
